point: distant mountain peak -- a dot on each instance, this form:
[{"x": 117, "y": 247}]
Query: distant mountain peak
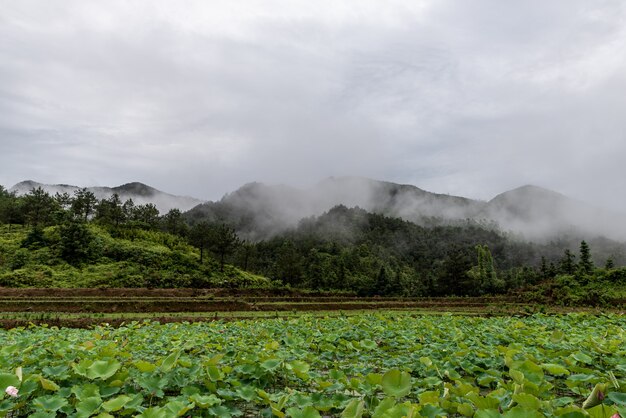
[
  {"x": 137, "y": 188},
  {"x": 25, "y": 184},
  {"x": 140, "y": 193}
]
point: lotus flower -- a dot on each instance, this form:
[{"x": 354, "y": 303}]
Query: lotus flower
[{"x": 11, "y": 391}]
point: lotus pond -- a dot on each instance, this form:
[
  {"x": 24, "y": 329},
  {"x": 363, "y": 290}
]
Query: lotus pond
[{"x": 371, "y": 365}]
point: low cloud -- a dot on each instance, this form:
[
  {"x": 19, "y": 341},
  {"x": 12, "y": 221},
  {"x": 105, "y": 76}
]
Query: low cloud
[{"x": 462, "y": 98}]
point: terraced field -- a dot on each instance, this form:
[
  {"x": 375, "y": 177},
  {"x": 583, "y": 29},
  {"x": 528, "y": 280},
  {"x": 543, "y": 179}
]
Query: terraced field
[{"x": 86, "y": 307}]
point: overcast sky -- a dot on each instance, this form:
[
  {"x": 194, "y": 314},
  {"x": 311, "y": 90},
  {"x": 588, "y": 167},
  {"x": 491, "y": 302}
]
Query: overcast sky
[{"x": 199, "y": 97}]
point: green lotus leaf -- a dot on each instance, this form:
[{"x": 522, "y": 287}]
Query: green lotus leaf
[
  {"x": 144, "y": 366},
  {"x": 354, "y": 409},
  {"x": 383, "y": 407},
  {"x": 368, "y": 344},
  {"x": 213, "y": 361},
  {"x": 48, "y": 384},
  {"x": 432, "y": 411},
  {"x": 555, "y": 369},
  {"x": 517, "y": 376},
  {"x": 271, "y": 364},
  {"x": 81, "y": 368},
  {"x": 178, "y": 408},
  {"x": 396, "y": 383},
  {"x": 49, "y": 403},
  {"x": 520, "y": 412},
  {"x": 401, "y": 411},
  {"x": 116, "y": 403},
  {"x": 8, "y": 379},
  {"x": 526, "y": 400},
  {"x": 429, "y": 397},
  {"x": 572, "y": 414},
  {"x": 465, "y": 409},
  {"x": 247, "y": 393},
  {"x": 487, "y": 413},
  {"x": 205, "y": 401},
  {"x": 302, "y": 399},
  {"x": 88, "y": 407},
  {"x": 85, "y": 391},
  {"x": 582, "y": 357},
  {"x": 224, "y": 412},
  {"x": 153, "y": 412},
  {"x": 602, "y": 411},
  {"x": 483, "y": 402},
  {"x": 41, "y": 414},
  {"x": 307, "y": 412},
  {"x": 103, "y": 369},
  {"x": 214, "y": 373},
  {"x": 300, "y": 369},
  {"x": 618, "y": 398},
  {"x": 170, "y": 361},
  {"x": 426, "y": 361}
]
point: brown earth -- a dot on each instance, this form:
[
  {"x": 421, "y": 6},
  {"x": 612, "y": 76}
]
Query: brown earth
[{"x": 45, "y": 303}]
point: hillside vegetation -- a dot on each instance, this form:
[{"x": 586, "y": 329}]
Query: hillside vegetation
[
  {"x": 80, "y": 241},
  {"x": 77, "y": 241}
]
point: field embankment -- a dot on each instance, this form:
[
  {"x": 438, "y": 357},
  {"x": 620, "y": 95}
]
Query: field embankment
[{"x": 86, "y": 307}]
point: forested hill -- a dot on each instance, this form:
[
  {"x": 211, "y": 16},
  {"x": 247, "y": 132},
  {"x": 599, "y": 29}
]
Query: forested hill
[
  {"x": 258, "y": 211},
  {"x": 78, "y": 240},
  {"x": 350, "y": 248}
]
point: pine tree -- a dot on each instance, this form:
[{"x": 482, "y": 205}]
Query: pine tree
[
  {"x": 567, "y": 264},
  {"x": 585, "y": 264},
  {"x": 484, "y": 274}
]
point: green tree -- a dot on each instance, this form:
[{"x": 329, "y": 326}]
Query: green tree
[
  {"x": 484, "y": 273},
  {"x": 452, "y": 278},
  {"x": 224, "y": 241},
  {"x": 128, "y": 208},
  {"x": 610, "y": 264},
  {"x": 567, "y": 264},
  {"x": 10, "y": 211},
  {"x": 83, "y": 204},
  {"x": 39, "y": 207},
  {"x": 78, "y": 244},
  {"x": 247, "y": 250},
  {"x": 585, "y": 263},
  {"x": 200, "y": 237},
  {"x": 289, "y": 264},
  {"x": 147, "y": 215},
  {"x": 173, "y": 222},
  {"x": 380, "y": 288},
  {"x": 109, "y": 211},
  {"x": 64, "y": 200},
  {"x": 545, "y": 273}
]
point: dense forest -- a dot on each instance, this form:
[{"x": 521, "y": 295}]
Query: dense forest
[{"x": 80, "y": 241}]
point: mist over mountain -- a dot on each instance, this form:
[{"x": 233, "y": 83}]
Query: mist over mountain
[
  {"x": 539, "y": 213},
  {"x": 260, "y": 211},
  {"x": 140, "y": 194}
]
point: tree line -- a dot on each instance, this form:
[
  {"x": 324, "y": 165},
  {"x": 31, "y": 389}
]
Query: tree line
[{"x": 344, "y": 249}]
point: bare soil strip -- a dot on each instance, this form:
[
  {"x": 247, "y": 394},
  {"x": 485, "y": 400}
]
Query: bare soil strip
[{"x": 88, "y": 307}]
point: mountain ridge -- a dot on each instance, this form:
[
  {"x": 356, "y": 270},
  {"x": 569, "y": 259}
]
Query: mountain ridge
[
  {"x": 259, "y": 211},
  {"x": 139, "y": 192}
]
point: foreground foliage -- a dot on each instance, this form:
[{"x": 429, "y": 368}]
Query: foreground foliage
[{"x": 369, "y": 365}]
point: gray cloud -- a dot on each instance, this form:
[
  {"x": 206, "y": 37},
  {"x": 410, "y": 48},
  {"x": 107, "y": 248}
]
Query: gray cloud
[{"x": 468, "y": 98}]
